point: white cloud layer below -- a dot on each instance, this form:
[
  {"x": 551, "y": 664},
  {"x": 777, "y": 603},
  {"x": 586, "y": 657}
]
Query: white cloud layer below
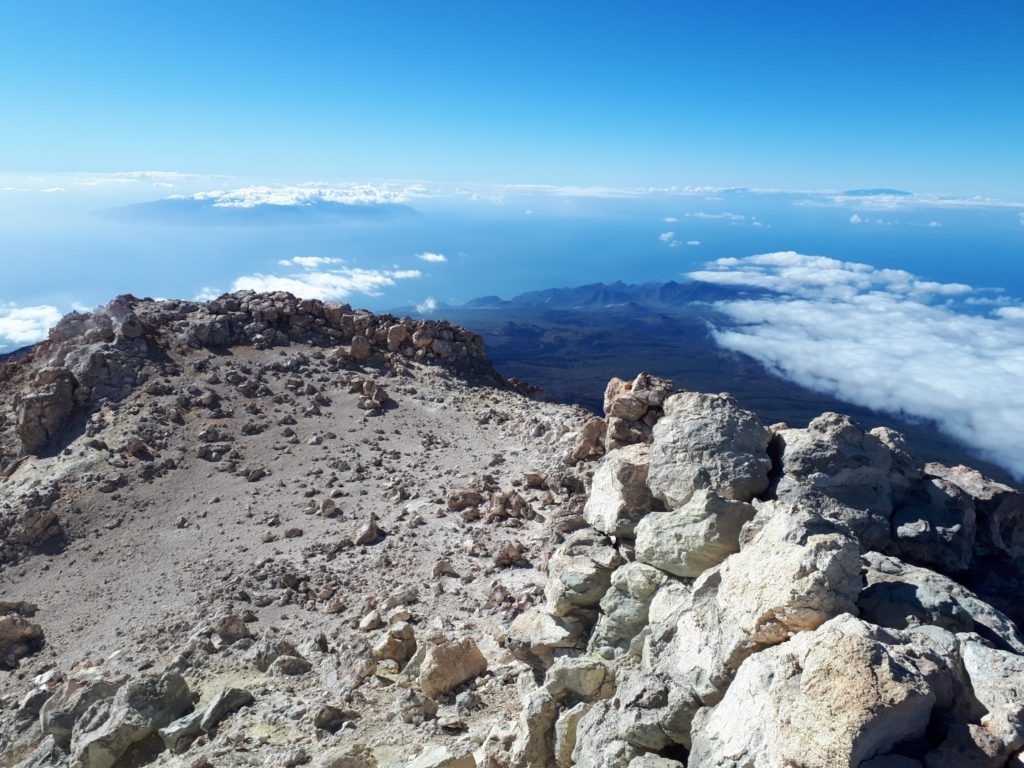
[
  {"x": 884, "y": 339},
  {"x": 324, "y": 284},
  {"x": 20, "y": 326},
  {"x": 306, "y": 195}
]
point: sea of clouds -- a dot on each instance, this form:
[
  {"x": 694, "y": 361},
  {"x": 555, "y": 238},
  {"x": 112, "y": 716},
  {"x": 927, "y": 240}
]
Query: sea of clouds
[{"x": 887, "y": 340}]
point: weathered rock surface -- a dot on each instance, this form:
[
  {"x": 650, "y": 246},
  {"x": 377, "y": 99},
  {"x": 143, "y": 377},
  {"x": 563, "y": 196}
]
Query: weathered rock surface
[
  {"x": 632, "y": 408},
  {"x": 708, "y": 442},
  {"x": 840, "y": 695},
  {"x": 698, "y": 535},
  {"x": 835, "y": 458},
  {"x": 625, "y": 606},
  {"x": 898, "y": 595},
  {"x": 619, "y": 496},
  {"x": 580, "y": 572},
  {"x": 448, "y": 665},
  {"x": 110, "y": 726},
  {"x": 19, "y": 637}
]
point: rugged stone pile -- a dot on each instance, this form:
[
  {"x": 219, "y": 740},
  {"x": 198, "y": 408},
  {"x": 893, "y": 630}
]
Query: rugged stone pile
[
  {"x": 91, "y": 360},
  {"x": 754, "y": 596},
  {"x": 268, "y": 532},
  {"x": 89, "y": 357}
]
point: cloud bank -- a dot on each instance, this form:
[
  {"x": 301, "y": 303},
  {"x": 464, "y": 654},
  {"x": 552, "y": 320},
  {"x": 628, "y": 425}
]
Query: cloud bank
[
  {"x": 20, "y": 326},
  {"x": 311, "y": 281},
  {"x": 307, "y": 195},
  {"x": 884, "y": 339}
]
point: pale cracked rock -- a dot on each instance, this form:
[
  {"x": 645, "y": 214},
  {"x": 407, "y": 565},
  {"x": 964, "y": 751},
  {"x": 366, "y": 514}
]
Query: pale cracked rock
[
  {"x": 845, "y": 693},
  {"x": 448, "y": 665},
  {"x": 834, "y": 457},
  {"x": 624, "y": 607},
  {"x": 619, "y": 496},
  {"x": 598, "y": 744},
  {"x": 796, "y": 572},
  {"x": 935, "y": 526},
  {"x": 697, "y": 536},
  {"x": 353, "y": 756},
  {"x": 141, "y": 707},
  {"x": 653, "y": 761},
  {"x": 361, "y": 348},
  {"x": 70, "y": 701},
  {"x": 43, "y": 415},
  {"x": 536, "y": 637},
  {"x": 579, "y": 572},
  {"x": 708, "y": 441},
  {"x": 459, "y": 756}
]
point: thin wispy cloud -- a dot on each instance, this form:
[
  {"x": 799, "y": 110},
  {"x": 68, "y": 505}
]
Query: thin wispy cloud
[
  {"x": 724, "y": 216},
  {"x": 885, "y": 339},
  {"x": 309, "y": 262},
  {"x": 435, "y": 258}
]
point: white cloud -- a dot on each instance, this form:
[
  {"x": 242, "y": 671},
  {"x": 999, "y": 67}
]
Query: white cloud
[
  {"x": 432, "y": 257},
  {"x": 306, "y": 195},
  {"x": 1010, "y": 313},
  {"x": 51, "y": 190},
  {"x": 884, "y": 339},
  {"x": 856, "y": 219},
  {"x": 934, "y": 224},
  {"x": 309, "y": 262},
  {"x": 724, "y": 216},
  {"x": 427, "y": 306},
  {"x": 693, "y": 242},
  {"x": 206, "y": 293},
  {"x": 671, "y": 219},
  {"x": 326, "y": 285},
  {"x": 796, "y": 274},
  {"x": 667, "y": 237},
  {"x": 26, "y": 325}
]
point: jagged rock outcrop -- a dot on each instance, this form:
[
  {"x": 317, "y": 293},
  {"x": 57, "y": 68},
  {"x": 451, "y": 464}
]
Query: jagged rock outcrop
[
  {"x": 619, "y": 496},
  {"x": 840, "y": 695},
  {"x": 100, "y": 356},
  {"x": 632, "y": 408},
  {"x": 108, "y": 728},
  {"x": 19, "y": 637},
  {"x": 797, "y": 604},
  {"x": 708, "y": 442},
  {"x": 698, "y": 535}
]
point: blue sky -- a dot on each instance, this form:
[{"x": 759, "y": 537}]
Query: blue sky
[{"x": 920, "y": 95}]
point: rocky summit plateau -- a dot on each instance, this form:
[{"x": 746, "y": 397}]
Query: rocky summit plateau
[{"x": 264, "y": 531}]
